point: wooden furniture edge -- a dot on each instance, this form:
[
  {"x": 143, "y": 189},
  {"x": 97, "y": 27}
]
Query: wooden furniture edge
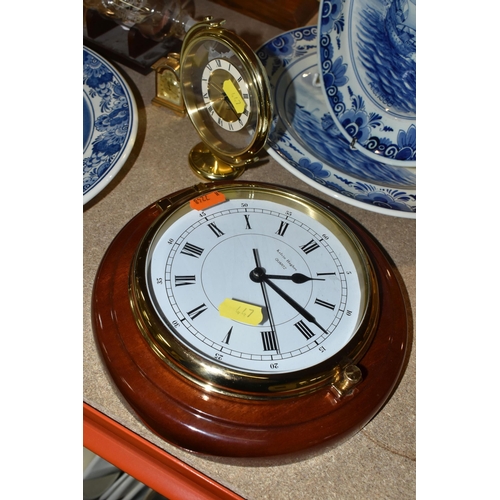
[{"x": 149, "y": 464}]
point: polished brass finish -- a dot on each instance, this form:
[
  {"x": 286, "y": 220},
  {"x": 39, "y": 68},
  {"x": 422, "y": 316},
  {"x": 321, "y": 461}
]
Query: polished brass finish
[
  {"x": 230, "y": 152},
  {"x": 167, "y": 81},
  {"x": 349, "y": 377},
  {"x": 206, "y": 165},
  {"x": 338, "y": 371}
]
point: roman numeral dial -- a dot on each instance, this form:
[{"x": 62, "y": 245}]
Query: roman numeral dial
[
  {"x": 191, "y": 250},
  {"x": 253, "y": 286},
  {"x": 309, "y": 247},
  {"x": 225, "y": 94},
  {"x": 215, "y": 230},
  {"x": 304, "y": 329},
  {"x": 194, "y": 313},
  {"x": 185, "y": 280}
]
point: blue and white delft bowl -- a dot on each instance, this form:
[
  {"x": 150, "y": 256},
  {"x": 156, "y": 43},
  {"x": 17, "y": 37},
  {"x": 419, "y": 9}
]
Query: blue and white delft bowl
[
  {"x": 109, "y": 123},
  {"x": 367, "y": 56},
  {"x": 305, "y": 139}
]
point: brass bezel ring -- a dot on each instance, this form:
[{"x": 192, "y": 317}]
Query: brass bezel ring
[{"x": 232, "y": 382}]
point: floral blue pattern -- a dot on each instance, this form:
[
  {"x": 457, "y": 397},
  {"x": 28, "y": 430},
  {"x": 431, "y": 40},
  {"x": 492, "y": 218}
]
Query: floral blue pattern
[
  {"x": 306, "y": 141},
  {"x": 368, "y": 66},
  {"x": 109, "y": 122}
]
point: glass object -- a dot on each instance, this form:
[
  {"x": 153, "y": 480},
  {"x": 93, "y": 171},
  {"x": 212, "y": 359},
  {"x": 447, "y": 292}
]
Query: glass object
[{"x": 155, "y": 19}]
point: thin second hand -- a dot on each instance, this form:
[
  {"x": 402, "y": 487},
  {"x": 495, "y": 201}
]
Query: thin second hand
[{"x": 266, "y": 299}]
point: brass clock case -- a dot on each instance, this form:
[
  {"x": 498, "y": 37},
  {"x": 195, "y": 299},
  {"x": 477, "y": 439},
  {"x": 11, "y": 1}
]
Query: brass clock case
[
  {"x": 338, "y": 370},
  {"x": 224, "y": 152},
  {"x": 167, "y": 82}
]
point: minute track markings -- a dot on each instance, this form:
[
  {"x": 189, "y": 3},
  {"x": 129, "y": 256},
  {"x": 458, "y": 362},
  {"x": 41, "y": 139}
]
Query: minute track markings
[{"x": 257, "y": 222}]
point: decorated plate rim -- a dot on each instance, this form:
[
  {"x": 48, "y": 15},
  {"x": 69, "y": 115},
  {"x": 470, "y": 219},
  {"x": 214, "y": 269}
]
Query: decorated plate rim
[
  {"x": 353, "y": 187},
  {"x": 362, "y": 124},
  {"x": 111, "y": 163}
]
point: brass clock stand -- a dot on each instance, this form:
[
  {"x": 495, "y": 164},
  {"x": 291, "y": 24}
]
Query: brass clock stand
[{"x": 206, "y": 165}]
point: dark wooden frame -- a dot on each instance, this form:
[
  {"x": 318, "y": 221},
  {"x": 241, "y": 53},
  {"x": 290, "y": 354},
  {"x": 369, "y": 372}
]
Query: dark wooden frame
[
  {"x": 184, "y": 414},
  {"x": 287, "y": 15}
]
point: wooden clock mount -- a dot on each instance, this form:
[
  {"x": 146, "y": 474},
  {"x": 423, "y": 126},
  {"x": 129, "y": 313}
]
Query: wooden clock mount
[{"x": 191, "y": 417}]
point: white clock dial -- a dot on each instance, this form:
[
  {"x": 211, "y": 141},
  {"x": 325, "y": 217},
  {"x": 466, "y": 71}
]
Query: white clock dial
[
  {"x": 257, "y": 285},
  {"x": 226, "y": 94}
]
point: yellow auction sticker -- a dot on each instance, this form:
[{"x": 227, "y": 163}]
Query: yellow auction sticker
[
  {"x": 241, "y": 311},
  {"x": 234, "y": 96}
]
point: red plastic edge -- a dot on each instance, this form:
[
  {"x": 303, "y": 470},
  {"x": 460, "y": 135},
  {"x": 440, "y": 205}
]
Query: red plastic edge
[{"x": 146, "y": 462}]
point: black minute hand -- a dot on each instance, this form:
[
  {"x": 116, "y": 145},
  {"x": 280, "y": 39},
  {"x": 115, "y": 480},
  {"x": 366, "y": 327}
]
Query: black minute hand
[{"x": 259, "y": 275}]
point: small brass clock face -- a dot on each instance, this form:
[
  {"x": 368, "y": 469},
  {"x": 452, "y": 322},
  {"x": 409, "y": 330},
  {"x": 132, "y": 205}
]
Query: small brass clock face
[
  {"x": 168, "y": 90},
  {"x": 258, "y": 285},
  {"x": 226, "y": 95},
  {"x": 169, "y": 86}
]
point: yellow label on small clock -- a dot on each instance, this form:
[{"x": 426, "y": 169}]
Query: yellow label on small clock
[
  {"x": 234, "y": 96},
  {"x": 241, "y": 311}
]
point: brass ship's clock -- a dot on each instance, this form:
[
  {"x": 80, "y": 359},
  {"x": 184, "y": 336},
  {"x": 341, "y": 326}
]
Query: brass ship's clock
[{"x": 245, "y": 319}]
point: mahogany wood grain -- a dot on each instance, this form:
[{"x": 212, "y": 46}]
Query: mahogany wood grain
[
  {"x": 184, "y": 414},
  {"x": 285, "y": 15}
]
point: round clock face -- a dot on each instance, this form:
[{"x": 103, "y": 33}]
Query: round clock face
[
  {"x": 257, "y": 283},
  {"x": 225, "y": 93}
]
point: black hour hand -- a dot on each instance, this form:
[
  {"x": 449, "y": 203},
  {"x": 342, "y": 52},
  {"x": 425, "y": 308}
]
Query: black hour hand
[
  {"x": 258, "y": 275},
  {"x": 295, "y": 278}
]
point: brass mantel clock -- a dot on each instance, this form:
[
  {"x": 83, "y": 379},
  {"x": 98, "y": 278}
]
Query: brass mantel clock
[
  {"x": 168, "y": 88},
  {"x": 242, "y": 319},
  {"x": 227, "y": 97}
]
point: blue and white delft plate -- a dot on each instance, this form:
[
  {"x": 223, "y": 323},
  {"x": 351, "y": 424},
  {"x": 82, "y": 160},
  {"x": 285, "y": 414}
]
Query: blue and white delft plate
[
  {"x": 305, "y": 140},
  {"x": 367, "y": 56},
  {"x": 109, "y": 123}
]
